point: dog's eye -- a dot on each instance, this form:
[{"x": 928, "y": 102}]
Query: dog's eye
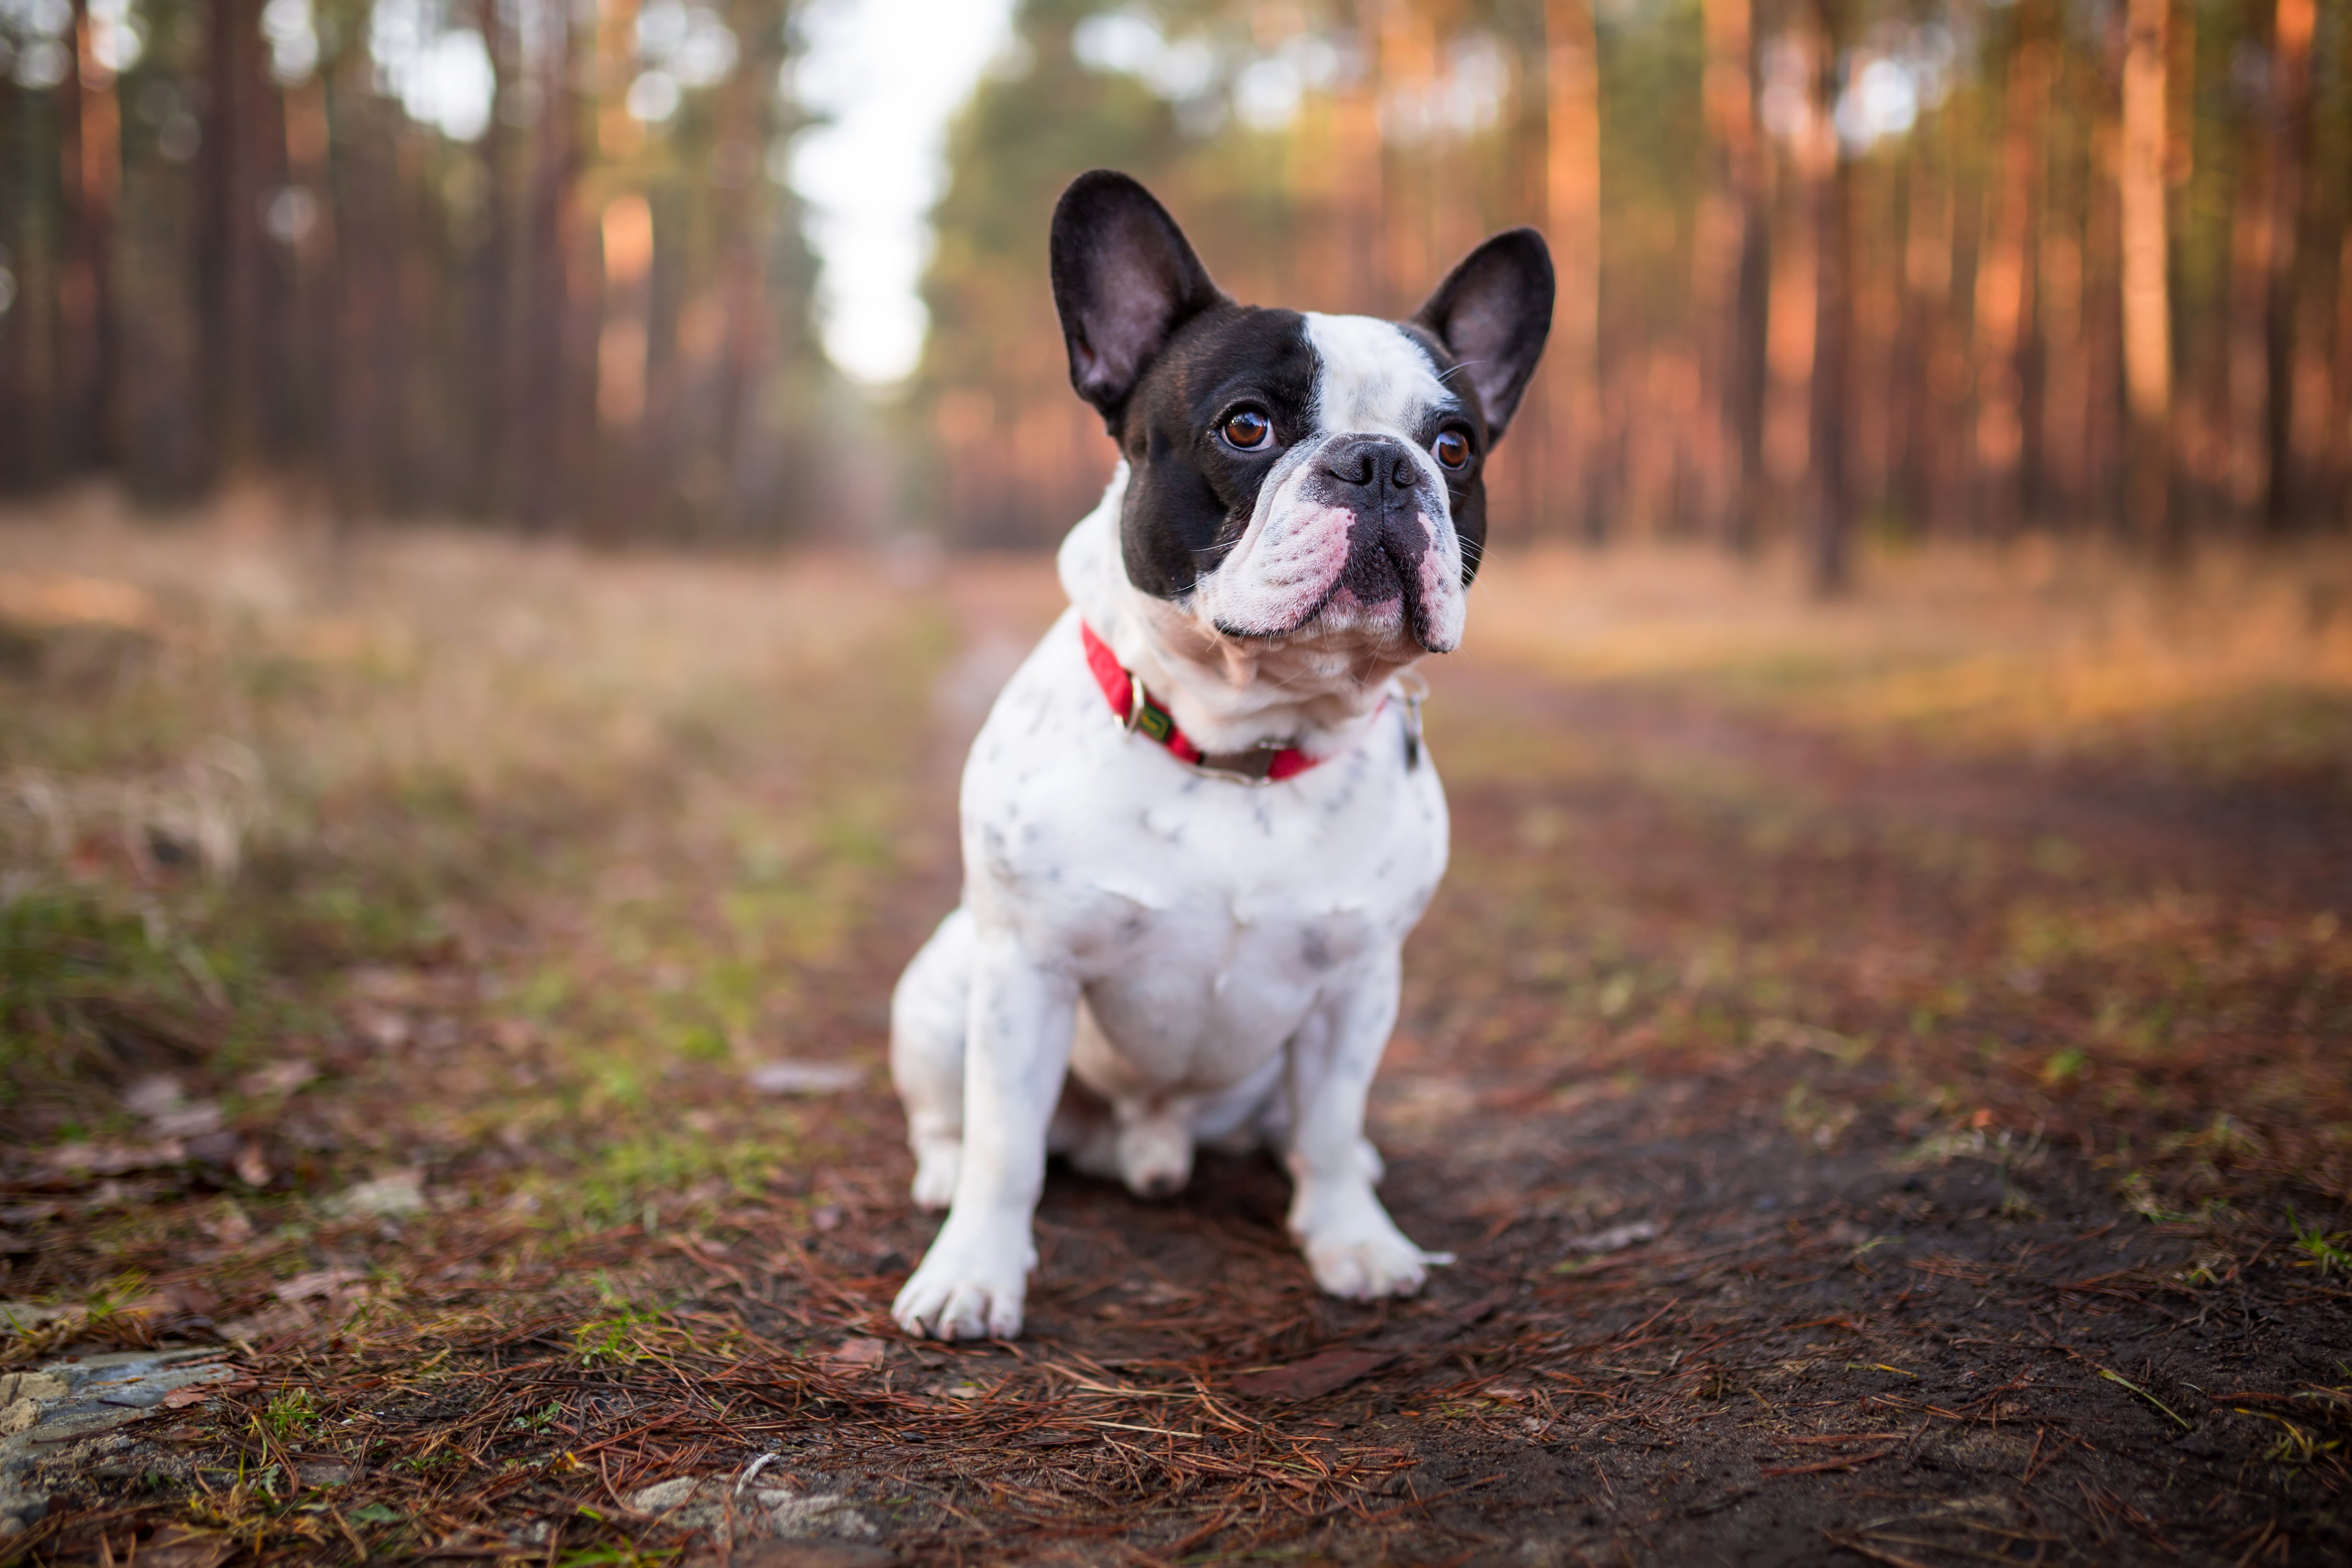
[
  {"x": 1453, "y": 448},
  {"x": 1247, "y": 430}
]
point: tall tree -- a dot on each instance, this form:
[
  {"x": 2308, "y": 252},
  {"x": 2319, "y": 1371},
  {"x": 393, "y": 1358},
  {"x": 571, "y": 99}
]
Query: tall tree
[
  {"x": 1572, "y": 204},
  {"x": 1729, "y": 272},
  {"x": 2005, "y": 279},
  {"x": 2287, "y": 132},
  {"x": 2147, "y": 274},
  {"x": 237, "y": 148},
  {"x": 1827, "y": 181}
]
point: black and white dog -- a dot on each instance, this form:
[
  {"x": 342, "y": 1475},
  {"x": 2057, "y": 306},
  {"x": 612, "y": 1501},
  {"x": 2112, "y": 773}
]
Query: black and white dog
[{"x": 1199, "y": 823}]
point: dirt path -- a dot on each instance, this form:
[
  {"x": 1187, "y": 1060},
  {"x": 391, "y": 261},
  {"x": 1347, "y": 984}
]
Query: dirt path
[{"x": 1849, "y": 1156}]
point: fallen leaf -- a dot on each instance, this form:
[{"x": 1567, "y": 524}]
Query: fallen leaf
[
  {"x": 1317, "y": 1375},
  {"x": 859, "y": 1350}
]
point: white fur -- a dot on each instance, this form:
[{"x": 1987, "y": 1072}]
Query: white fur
[{"x": 1146, "y": 957}]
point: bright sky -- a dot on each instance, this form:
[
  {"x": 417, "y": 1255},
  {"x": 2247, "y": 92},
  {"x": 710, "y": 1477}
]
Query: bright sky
[{"x": 887, "y": 75}]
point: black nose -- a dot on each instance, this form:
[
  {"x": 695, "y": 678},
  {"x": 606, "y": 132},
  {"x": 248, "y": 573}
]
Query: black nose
[{"x": 1371, "y": 464}]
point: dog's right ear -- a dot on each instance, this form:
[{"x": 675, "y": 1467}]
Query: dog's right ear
[{"x": 1124, "y": 280}]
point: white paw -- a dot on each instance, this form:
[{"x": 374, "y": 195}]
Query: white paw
[
  {"x": 937, "y": 1165},
  {"x": 1369, "y": 1265},
  {"x": 967, "y": 1289}
]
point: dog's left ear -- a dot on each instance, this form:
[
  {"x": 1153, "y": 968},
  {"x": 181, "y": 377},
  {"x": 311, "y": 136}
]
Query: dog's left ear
[
  {"x": 1493, "y": 313},
  {"x": 1124, "y": 279}
]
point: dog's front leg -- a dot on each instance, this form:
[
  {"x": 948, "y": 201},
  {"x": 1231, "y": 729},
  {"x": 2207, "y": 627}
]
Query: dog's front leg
[
  {"x": 1353, "y": 1246},
  {"x": 1017, "y": 1050}
]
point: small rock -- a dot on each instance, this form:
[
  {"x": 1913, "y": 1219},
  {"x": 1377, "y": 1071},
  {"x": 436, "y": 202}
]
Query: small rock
[
  {"x": 813, "y": 1513},
  {"x": 19, "y": 1416},
  {"x": 399, "y": 1193},
  {"x": 18, "y": 1385},
  {"x": 663, "y": 1496}
]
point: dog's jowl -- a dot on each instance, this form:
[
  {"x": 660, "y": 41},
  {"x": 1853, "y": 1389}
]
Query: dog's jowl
[{"x": 1200, "y": 823}]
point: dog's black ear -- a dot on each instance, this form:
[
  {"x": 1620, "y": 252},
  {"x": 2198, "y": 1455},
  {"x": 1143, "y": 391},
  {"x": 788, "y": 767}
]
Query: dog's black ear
[
  {"x": 1493, "y": 313},
  {"x": 1124, "y": 280}
]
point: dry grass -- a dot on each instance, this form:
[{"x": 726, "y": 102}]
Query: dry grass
[{"x": 2237, "y": 663}]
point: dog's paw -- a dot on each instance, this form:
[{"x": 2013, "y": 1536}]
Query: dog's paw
[
  {"x": 1363, "y": 1268},
  {"x": 937, "y": 1167},
  {"x": 966, "y": 1290}
]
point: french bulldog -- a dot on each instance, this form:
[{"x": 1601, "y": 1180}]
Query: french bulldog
[{"x": 1200, "y": 822}]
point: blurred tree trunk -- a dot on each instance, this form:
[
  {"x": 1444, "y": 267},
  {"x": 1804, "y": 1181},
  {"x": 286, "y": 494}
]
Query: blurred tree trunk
[
  {"x": 1926, "y": 348},
  {"x": 2287, "y": 133},
  {"x": 311, "y": 303},
  {"x": 1730, "y": 269},
  {"x": 364, "y": 283},
  {"x": 1827, "y": 179},
  {"x": 2104, "y": 419},
  {"x": 1572, "y": 203},
  {"x": 2340, "y": 434},
  {"x": 742, "y": 282},
  {"x": 233, "y": 148},
  {"x": 2058, "y": 470},
  {"x": 90, "y": 138},
  {"x": 2146, "y": 277},
  {"x": 486, "y": 279},
  {"x": 1794, "y": 310},
  {"x": 2005, "y": 282},
  {"x": 19, "y": 401},
  {"x": 552, "y": 223}
]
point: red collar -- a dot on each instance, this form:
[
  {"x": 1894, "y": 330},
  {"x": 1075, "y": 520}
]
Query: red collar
[{"x": 1123, "y": 689}]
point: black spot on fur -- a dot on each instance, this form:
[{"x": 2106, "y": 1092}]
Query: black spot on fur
[{"x": 1190, "y": 494}]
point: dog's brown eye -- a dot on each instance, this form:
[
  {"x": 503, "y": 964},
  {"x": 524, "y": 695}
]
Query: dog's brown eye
[
  {"x": 1249, "y": 430},
  {"x": 1453, "y": 448}
]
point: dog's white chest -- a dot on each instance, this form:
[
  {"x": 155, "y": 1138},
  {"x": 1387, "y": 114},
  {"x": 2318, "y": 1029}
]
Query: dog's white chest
[{"x": 1204, "y": 918}]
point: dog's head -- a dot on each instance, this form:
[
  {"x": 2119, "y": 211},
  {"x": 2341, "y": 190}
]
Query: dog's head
[{"x": 1292, "y": 475}]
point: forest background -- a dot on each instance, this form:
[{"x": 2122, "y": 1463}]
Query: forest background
[{"x": 1831, "y": 269}]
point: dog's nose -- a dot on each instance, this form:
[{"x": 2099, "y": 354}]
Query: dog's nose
[{"x": 1371, "y": 464}]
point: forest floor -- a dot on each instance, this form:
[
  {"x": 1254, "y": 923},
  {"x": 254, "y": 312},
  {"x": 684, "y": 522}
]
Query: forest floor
[{"x": 1881, "y": 1067}]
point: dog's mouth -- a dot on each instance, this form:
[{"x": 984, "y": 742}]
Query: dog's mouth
[{"x": 1387, "y": 586}]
